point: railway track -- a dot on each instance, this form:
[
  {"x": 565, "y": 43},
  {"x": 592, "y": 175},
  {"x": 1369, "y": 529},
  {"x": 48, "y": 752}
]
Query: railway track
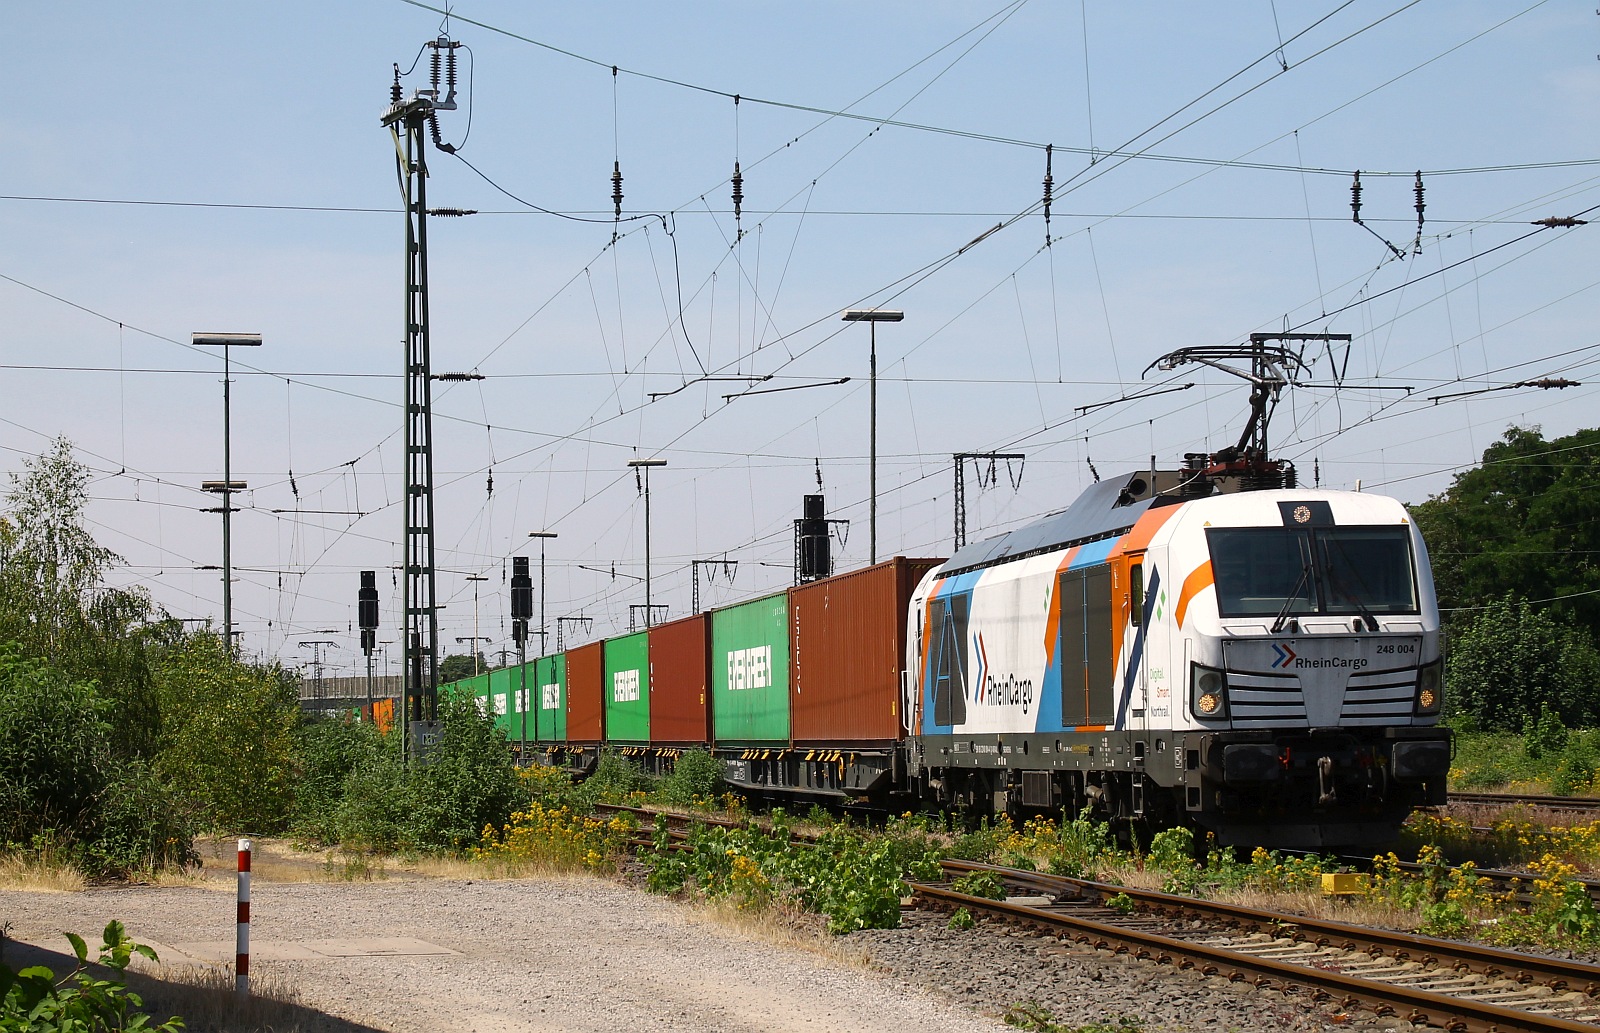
[
  {"x": 1461, "y": 987},
  {"x": 1455, "y": 986},
  {"x": 1577, "y": 804}
]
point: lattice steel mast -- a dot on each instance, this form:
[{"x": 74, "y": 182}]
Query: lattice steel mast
[{"x": 407, "y": 121}]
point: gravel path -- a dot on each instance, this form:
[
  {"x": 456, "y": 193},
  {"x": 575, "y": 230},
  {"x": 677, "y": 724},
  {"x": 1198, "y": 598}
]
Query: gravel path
[{"x": 580, "y": 955}]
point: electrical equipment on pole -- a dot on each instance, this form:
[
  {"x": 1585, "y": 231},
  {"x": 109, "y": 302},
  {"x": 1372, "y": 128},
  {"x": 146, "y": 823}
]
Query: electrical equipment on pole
[
  {"x": 367, "y": 617},
  {"x": 407, "y": 121}
]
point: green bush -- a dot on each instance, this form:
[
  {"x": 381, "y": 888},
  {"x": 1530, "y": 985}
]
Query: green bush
[
  {"x": 980, "y": 884},
  {"x": 468, "y": 781},
  {"x": 226, "y": 742},
  {"x": 327, "y": 751},
  {"x": 376, "y": 808},
  {"x": 61, "y": 783},
  {"x": 55, "y": 749},
  {"x": 615, "y": 778},
  {"x": 141, "y": 826},
  {"x": 35, "y": 1001},
  {"x": 1510, "y": 659},
  {"x": 465, "y": 783},
  {"x": 1543, "y": 735},
  {"x": 983, "y": 842},
  {"x": 697, "y": 775}
]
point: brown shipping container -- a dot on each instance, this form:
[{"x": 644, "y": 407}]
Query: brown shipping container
[
  {"x": 680, "y": 681},
  {"x": 585, "y": 692},
  {"x": 847, "y": 648}
]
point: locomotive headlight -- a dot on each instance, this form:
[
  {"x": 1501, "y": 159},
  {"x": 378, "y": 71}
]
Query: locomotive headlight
[
  {"x": 1208, "y": 693},
  {"x": 1429, "y": 696}
]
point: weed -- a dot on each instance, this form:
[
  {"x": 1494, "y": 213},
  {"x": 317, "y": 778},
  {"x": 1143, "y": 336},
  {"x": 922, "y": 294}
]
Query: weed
[
  {"x": 34, "y": 1000},
  {"x": 1121, "y": 902},
  {"x": 980, "y": 884},
  {"x": 961, "y": 919}
]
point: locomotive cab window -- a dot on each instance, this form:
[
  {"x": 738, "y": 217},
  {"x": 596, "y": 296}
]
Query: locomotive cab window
[{"x": 1267, "y": 571}]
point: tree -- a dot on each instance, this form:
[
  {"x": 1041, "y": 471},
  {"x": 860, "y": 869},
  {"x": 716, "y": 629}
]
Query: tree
[
  {"x": 1512, "y": 660},
  {"x": 227, "y": 735},
  {"x": 457, "y": 666},
  {"x": 62, "y": 788},
  {"x": 1526, "y": 521},
  {"x": 53, "y": 602}
]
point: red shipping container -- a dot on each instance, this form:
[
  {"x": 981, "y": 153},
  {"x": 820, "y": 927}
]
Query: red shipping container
[
  {"x": 586, "y": 706},
  {"x": 680, "y": 681},
  {"x": 847, "y": 649}
]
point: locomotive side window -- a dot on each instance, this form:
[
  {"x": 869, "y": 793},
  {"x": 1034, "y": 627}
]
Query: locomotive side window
[
  {"x": 1136, "y": 593},
  {"x": 1268, "y": 571},
  {"x": 949, "y": 660}
]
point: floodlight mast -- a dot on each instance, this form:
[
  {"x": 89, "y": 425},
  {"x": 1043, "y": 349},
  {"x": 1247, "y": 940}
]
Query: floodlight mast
[
  {"x": 872, "y": 317},
  {"x": 227, "y": 486}
]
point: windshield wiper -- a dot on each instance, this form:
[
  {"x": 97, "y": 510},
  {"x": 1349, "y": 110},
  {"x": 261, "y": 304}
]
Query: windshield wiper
[
  {"x": 1338, "y": 584},
  {"x": 1294, "y": 594}
]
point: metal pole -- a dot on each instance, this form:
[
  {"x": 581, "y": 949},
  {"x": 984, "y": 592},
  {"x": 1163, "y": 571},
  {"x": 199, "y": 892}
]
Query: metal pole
[
  {"x": 227, "y": 503},
  {"x": 872, "y": 459},
  {"x": 647, "y": 547}
]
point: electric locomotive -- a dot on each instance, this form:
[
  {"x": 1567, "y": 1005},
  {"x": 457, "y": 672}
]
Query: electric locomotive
[{"x": 1209, "y": 646}]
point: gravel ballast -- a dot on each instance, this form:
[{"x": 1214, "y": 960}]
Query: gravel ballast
[{"x": 586, "y": 954}]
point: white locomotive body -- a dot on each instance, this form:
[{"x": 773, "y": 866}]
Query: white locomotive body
[{"x": 1261, "y": 664}]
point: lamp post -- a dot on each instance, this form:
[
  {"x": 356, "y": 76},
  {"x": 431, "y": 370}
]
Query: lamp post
[
  {"x": 228, "y": 485},
  {"x": 646, "y": 464},
  {"x": 872, "y": 317},
  {"x": 543, "y": 537}
]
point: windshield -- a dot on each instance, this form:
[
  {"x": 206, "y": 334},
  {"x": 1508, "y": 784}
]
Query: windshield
[{"x": 1267, "y": 571}]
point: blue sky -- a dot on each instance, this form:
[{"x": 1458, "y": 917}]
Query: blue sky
[{"x": 254, "y": 131}]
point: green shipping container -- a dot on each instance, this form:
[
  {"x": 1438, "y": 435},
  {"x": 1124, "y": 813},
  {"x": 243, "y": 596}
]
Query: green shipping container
[
  {"x": 519, "y": 719},
  {"x": 548, "y": 722},
  {"x": 501, "y": 691},
  {"x": 627, "y": 688},
  {"x": 750, "y": 672},
  {"x": 475, "y": 688}
]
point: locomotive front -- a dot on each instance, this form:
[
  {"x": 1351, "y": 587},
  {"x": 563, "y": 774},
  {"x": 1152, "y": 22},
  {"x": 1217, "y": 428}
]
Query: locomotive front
[{"x": 1299, "y": 646}]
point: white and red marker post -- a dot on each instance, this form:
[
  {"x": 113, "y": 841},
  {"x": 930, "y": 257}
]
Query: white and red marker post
[{"x": 241, "y": 937}]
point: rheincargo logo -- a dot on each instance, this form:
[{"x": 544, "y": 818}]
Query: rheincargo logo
[
  {"x": 1355, "y": 663},
  {"x": 1013, "y": 691},
  {"x": 750, "y": 668},
  {"x": 625, "y": 687}
]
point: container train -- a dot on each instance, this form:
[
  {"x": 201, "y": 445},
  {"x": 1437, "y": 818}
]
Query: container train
[{"x": 1209, "y": 646}]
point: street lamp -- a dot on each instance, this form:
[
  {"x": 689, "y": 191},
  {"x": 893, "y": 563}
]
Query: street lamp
[
  {"x": 646, "y": 464},
  {"x": 873, "y": 316},
  {"x": 227, "y": 486},
  {"x": 543, "y": 537}
]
